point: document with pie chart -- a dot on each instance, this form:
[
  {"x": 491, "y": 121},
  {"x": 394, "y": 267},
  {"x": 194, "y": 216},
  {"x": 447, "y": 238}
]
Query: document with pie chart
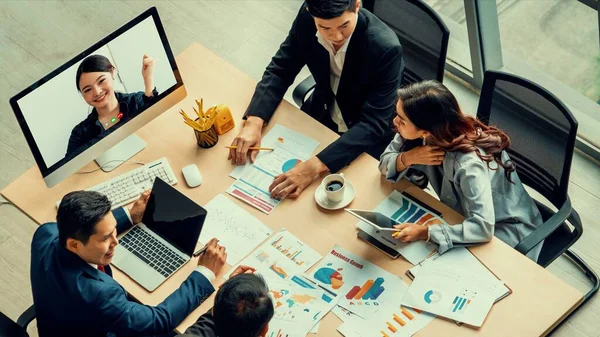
[
  {"x": 453, "y": 294},
  {"x": 252, "y": 186},
  {"x": 360, "y": 285},
  {"x": 279, "y": 135}
]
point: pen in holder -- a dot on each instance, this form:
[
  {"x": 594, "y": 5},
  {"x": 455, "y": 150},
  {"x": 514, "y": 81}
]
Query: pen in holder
[
  {"x": 203, "y": 126},
  {"x": 207, "y": 138}
]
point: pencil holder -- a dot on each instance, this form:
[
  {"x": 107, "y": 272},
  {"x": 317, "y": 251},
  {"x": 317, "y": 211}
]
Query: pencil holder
[{"x": 207, "y": 139}]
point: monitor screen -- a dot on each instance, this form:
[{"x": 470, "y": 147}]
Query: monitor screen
[{"x": 97, "y": 93}]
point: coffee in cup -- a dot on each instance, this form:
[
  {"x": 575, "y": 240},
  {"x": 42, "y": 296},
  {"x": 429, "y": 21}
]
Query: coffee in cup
[{"x": 334, "y": 187}]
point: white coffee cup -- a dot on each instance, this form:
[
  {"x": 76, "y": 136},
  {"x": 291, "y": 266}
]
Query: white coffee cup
[{"x": 334, "y": 192}]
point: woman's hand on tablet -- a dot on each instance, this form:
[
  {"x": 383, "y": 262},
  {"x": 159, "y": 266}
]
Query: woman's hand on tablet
[{"x": 409, "y": 232}]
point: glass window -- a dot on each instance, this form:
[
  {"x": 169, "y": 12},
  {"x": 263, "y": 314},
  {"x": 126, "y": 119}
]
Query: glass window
[
  {"x": 453, "y": 15},
  {"x": 558, "y": 38}
]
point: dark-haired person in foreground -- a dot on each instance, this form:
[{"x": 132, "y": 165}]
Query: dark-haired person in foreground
[
  {"x": 356, "y": 62},
  {"x": 73, "y": 290},
  {"x": 243, "y": 308},
  {"x": 468, "y": 167}
]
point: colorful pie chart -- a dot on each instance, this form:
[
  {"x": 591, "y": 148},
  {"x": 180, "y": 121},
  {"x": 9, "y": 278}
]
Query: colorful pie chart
[
  {"x": 330, "y": 276},
  {"x": 432, "y": 296},
  {"x": 288, "y": 165}
]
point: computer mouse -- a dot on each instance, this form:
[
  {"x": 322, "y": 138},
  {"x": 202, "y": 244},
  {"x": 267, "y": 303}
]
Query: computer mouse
[{"x": 192, "y": 175}]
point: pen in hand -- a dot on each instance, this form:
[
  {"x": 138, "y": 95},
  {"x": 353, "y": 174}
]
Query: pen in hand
[{"x": 201, "y": 250}]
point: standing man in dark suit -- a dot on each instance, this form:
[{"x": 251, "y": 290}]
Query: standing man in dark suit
[
  {"x": 73, "y": 289},
  {"x": 243, "y": 308},
  {"x": 356, "y": 61}
]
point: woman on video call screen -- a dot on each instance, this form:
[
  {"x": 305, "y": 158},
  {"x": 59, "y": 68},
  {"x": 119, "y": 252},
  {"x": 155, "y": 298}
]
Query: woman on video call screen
[{"x": 95, "y": 80}]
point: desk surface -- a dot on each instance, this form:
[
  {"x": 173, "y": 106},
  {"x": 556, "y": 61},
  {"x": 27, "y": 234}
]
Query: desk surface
[{"x": 539, "y": 300}]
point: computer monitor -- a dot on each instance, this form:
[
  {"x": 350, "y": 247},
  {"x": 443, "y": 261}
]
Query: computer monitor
[{"x": 89, "y": 108}]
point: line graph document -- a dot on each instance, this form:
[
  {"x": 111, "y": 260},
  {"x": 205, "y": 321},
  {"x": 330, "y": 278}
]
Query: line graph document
[{"x": 236, "y": 229}]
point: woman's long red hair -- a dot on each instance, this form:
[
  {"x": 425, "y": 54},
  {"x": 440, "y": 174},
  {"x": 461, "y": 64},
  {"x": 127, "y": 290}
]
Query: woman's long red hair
[{"x": 432, "y": 107}]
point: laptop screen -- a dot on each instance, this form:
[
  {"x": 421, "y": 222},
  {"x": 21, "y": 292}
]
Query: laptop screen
[{"x": 174, "y": 216}]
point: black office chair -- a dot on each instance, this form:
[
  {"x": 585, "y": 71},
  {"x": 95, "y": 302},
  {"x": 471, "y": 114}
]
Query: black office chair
[
  {"x": 422, "y": 33},
  {"x": 8, "y": 328},
  {"x": 542, "y": 132}
]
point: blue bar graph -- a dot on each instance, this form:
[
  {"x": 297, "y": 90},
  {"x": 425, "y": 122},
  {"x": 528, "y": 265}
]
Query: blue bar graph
[
  {"x": 413, "y": 208},
  {"x": 462, "y": 304},
  {"x": 401, "y": 210},
  {"x": 416, "y": 217},
  {"x": 459, "y": 303},
  {"x": 375, "y": 290}
]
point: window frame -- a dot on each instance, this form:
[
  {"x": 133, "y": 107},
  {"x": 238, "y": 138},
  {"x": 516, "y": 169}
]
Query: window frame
[{"x": 485, "y": 49}]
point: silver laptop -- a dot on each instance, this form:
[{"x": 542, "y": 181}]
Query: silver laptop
[{"x": 165, "y": 240}]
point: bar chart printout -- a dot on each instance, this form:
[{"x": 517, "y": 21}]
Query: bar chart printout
[
  {"x": 390, "y": 321},
  {"x": 360, "y": 284},
  {"x": 281, "y": 256}
]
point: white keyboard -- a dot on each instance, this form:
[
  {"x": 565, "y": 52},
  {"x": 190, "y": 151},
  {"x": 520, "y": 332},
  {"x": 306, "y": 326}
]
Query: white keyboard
[{"x": 130, "y": 185}]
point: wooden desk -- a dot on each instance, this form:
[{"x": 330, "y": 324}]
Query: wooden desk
[{"x": 539, "y": 302}]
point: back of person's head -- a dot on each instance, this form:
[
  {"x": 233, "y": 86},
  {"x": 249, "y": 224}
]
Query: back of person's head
[
  {"x": 243, "y": 307},
  {"x": 92, "y": 64},
  {"x": 430, "y": 106},
  {"x": 329, "y": 9},
  {"x": 78, "y": 214}
]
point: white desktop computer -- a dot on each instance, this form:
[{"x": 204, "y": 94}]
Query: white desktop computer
[{"x": 89, "y": 108}]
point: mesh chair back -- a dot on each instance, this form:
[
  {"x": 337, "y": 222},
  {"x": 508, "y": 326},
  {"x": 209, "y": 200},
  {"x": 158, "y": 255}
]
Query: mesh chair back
[
  {"x": 422, "y": 33},
  {"x": 541, "y": 128}
]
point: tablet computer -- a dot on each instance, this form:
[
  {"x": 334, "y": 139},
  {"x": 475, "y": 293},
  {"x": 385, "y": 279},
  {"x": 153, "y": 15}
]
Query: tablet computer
[
  {"x": 377, "y": 244},
  {"x": 375, "y": 219}
]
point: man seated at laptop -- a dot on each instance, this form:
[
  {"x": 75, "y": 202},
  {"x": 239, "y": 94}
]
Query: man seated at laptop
[
  {"x": 73, "y": 289},
  {"x": 242, "y": 308}
]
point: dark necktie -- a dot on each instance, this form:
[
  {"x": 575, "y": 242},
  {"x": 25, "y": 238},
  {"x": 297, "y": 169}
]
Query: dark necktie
[{"x": 101, "y": 268}]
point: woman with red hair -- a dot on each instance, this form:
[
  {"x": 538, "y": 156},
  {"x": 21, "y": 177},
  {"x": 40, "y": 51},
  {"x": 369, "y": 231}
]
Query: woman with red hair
[{"x": 465, "y": 162}]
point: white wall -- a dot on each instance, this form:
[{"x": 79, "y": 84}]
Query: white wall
[{"x": 53, "y": 109}]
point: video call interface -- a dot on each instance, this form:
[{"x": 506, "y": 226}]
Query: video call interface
[{"x": 99, "y": 94}]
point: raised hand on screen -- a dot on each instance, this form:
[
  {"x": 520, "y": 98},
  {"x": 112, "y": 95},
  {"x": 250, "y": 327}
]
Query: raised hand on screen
[{"x": 148, "y": 64}]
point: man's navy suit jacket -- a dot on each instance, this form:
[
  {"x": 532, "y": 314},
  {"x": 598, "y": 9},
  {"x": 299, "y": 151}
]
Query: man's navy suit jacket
[{"x": 72, "y": 298}]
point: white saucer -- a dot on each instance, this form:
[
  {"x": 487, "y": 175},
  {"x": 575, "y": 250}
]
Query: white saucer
[{"x": 322, "y": 200}]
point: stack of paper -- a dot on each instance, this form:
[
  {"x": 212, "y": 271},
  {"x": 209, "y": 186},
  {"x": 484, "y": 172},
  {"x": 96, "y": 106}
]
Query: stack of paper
[
  {"x": 460, "y": 258},
  {"x": 253, "y": 184},
  {"x": 254, "y": 179},
  {"x": 452, "y": 293}
]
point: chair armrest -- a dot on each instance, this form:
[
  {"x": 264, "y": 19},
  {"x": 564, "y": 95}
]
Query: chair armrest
[
  {"x": 302, "y": 89},
  {"x": 26, "y": 317},
  {"x": 547, "y": 228}
]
